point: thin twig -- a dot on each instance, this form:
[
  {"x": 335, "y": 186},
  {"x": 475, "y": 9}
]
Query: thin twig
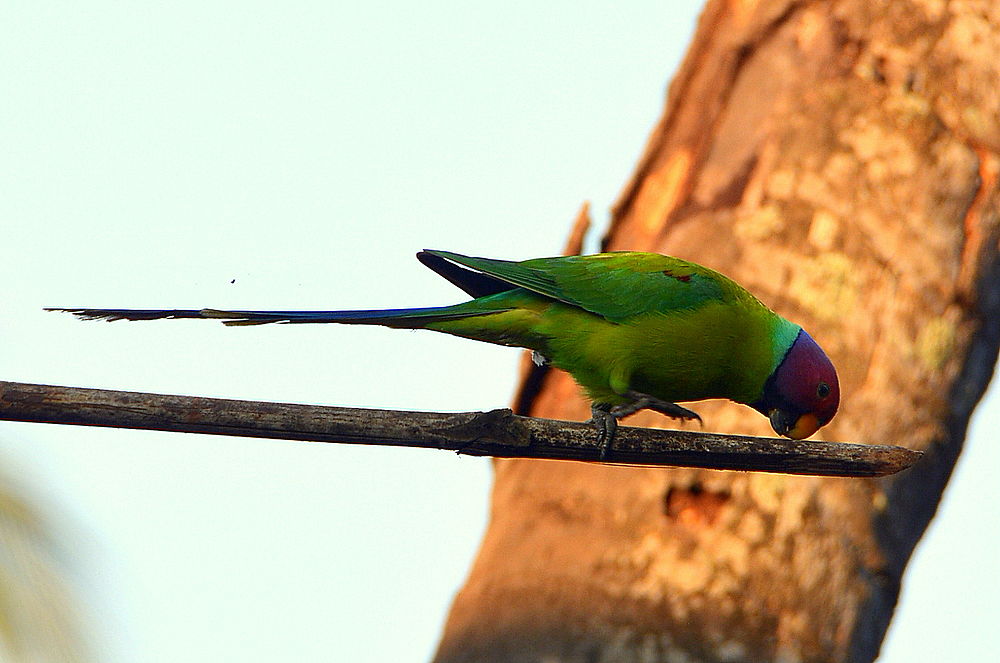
[{"x": 497, "y": 433}]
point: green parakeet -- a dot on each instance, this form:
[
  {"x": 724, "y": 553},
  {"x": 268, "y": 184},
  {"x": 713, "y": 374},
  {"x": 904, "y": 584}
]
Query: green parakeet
[{"x": 635, "y": 330}]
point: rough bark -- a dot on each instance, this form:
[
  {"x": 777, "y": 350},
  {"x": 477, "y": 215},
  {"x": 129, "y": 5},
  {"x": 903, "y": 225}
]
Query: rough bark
[
  {"x": 839, "y": 159},
  {"x": 498, "y": 433}
]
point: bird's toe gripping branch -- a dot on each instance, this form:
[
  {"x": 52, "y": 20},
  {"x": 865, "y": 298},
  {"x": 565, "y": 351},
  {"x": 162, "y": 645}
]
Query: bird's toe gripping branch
[
  {"x": 645, "y": 402},
  {"x": 606, "y": 423},
  {"x": 605, "y": 417}
]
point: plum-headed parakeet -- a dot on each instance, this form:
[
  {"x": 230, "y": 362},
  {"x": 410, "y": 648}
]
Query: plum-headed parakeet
[{"x": 635, "y": 330}]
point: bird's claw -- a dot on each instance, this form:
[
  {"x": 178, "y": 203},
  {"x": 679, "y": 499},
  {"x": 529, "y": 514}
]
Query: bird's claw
[
  {"x": 606, "y": 422},
  {"x": 605, "y": 417},
  {"x": 672, "y": 410}
]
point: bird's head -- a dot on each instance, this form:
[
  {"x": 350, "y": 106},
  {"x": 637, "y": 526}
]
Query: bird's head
[{"x": 803, "y": 393}]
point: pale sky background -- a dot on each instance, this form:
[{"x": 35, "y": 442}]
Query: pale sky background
[{"x": 152, "y": 153}]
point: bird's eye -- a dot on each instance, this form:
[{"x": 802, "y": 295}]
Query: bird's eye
[{"x": 823, "y": 390}]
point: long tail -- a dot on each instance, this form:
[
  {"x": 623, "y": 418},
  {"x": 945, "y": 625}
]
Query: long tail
[{"x": 404, "y": 318}]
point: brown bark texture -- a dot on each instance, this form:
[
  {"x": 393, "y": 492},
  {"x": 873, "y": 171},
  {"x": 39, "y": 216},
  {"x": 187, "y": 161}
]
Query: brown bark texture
[
  {"x": 840, "y": 160},
  {"x": 498, "y": 433}
]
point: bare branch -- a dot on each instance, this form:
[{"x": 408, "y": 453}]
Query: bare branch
[{"x": 497, "y": 433}]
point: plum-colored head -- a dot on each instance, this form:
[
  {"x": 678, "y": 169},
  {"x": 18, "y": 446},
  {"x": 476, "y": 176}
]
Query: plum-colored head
[{"x": 803, "y": 393}]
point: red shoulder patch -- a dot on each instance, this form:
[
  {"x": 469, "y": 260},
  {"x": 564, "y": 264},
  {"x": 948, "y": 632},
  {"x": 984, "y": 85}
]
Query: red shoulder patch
[{"x": 684, "y": 278}]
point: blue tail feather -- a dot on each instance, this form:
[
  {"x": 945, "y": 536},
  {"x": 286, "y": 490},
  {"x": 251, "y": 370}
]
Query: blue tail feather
[
  {"x": 400, "y": 317},
  {"x": 483, "y": 287}
]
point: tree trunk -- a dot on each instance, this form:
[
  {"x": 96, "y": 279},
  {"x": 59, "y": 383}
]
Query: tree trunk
[{"x": 840, "y": 160}]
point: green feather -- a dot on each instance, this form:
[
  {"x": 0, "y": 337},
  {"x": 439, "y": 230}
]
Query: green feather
[
  {"x": 631, "y": 321},
  {"x": 613, "y": 285},
  {"x": 617, "y": 322}
]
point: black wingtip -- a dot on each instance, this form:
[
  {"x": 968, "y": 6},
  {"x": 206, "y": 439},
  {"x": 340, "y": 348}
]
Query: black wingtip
[
  {"x": 474, "y": 283},
  {"x": 425, "y": 255}
]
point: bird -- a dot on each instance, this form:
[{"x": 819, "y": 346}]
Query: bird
[{"x": 635, "y": 330}]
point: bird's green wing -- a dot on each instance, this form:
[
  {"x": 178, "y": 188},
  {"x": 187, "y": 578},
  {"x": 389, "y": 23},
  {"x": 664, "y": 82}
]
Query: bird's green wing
[{"x": 613, "y": 285}]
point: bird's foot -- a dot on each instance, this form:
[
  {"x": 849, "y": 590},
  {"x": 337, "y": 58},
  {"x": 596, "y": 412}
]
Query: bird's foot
[
  {"x": 642, "y": 401},
  {"x": 605, "y": 417},
  {"x": 606, "y": 423}
]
